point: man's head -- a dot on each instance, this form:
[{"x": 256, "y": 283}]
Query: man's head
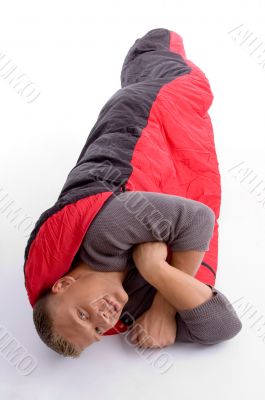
[{"x": 79, "y": 308}]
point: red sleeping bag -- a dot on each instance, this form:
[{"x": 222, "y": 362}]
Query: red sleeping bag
[{"x": 154, "y": 134}]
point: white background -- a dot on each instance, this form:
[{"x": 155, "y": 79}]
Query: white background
[{"x": 73, "y": 52}]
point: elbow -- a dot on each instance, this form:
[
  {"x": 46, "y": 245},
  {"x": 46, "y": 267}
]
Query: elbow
[
  {"x": 235, "y": 328},
  {"x": 228, "y": 330}
]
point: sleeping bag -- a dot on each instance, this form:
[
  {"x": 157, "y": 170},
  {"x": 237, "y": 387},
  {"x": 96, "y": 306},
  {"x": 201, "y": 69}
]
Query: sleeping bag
[{"x": 154, "y": 134}]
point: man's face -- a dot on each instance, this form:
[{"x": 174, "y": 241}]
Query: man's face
[{"x": 80, "y": 306}]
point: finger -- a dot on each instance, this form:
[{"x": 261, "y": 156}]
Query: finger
[
  {"x": 145, "y": 345},
  {"x": 133, "y": 336}
]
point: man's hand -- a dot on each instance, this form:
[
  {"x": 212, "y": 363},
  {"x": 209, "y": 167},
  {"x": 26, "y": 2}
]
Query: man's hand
[
  {"x": 157, "y": 327},
  {"x": 148, "y": 256}
]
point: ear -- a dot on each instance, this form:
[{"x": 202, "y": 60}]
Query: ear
[{"x": 62, "y": 284}]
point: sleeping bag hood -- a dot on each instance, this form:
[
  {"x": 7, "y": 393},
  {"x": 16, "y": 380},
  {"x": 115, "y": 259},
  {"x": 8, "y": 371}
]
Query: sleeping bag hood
[{"x": 154, "y": 134}]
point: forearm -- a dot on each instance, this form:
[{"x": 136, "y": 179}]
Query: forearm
[
  {"x": 187, "y": 261},
  {"x": 204, "y": 315},
  {"x": 205, "y": 322},
  {"x": 181, "y": 290},
  {"x": 160, "y": 303}
]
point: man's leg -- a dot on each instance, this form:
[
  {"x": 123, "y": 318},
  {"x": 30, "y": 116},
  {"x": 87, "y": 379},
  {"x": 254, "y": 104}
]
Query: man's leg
[{"x": 187, "y": 261}]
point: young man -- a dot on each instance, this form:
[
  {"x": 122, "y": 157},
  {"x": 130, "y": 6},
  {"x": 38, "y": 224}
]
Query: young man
[
  {"x": 90, "y": 299},
  {"x": 152, "y": 138}
]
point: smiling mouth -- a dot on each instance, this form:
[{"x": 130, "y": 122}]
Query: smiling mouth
[{"x": 110, "y": 310}]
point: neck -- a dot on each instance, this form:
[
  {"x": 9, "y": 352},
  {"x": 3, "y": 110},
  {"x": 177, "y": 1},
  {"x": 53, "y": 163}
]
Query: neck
[{"x": 82, "y": 268}]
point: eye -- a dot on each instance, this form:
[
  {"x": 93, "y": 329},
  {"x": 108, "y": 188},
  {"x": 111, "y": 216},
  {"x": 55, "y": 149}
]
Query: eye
[{"x": 82, "y": 315}]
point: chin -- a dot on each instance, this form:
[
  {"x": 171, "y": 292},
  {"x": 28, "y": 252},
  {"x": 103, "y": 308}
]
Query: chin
[
  {"x": 125, "y": 297},
  {"x": 122, "y": 297}
]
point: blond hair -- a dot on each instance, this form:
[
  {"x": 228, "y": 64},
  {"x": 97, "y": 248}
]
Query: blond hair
[{"x": 44, "y": 326}]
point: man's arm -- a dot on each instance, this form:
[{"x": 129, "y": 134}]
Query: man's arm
[
  {"x": 161, "y": 303},
  {"x": 204, "y": 314},
  {"x": 187, "y": 261},
  {"x": 209, "y": 322},
  {"x": 180, "y": 289}
]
